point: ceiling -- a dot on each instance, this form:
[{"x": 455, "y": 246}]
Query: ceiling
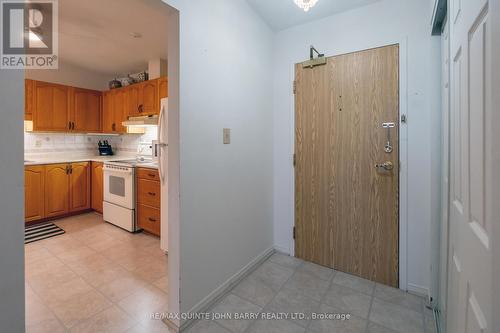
[
  {"x": 282, "y": 14},
  {"x": 96, "y": 34}
]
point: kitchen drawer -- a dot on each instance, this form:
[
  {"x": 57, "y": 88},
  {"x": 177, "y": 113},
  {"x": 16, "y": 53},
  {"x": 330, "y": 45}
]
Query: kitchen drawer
[
  {"x": 150, "y": 174},
  {"x": 148, "y": 192},
  {"x": 148, "y": 218}
]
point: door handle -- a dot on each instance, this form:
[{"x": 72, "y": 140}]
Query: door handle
[{"x": 386, "y": 166}]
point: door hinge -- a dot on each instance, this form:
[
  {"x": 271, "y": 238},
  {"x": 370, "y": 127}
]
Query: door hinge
[
  {"x": 403, "y": 119},
  {"x": 294, "y": 233},
  {"x": 294, "y": 160},
  {"x": 294, "y": 87}
]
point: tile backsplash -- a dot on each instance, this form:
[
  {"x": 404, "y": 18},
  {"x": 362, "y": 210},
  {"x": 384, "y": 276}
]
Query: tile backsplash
[{"x": 35, "y": 143}]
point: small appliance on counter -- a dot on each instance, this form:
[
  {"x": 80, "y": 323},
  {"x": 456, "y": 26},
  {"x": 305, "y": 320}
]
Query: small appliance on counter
[{"x": 105, "y": 148}]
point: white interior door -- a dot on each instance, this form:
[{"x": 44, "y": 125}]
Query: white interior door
[{"x": 470, "y": 288}]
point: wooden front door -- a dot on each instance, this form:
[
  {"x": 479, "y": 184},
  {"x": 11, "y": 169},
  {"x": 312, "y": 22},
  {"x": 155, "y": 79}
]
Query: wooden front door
[{"x": 346, "y": 208}]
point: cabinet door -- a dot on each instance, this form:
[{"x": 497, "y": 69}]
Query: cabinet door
[
  {"x": 107, "y": 112},
  {"x": 56, "y": 190},
  {"x": 149, "y": 98},
  {"x": 119, "y": 110},
  {"x": 34, "y": 193},
  {"x": 86, "y": 115},
  {"x": 148, "y": 218},
  {"x": 162, "y": 88},
  {"x": 97, "y": 186},
  {"x": 51, "y": 111},
  {"x": 79, "y": 179},
  {"x": 29, "y": 99},
  {"x": 133, "y": 93}
]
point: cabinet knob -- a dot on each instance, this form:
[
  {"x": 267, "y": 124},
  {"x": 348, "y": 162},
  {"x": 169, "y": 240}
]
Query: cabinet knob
[
  {"x": 152, "y": 193},
  {"x": 141, "y": 108},
  {"x": 152, "y": 219}
]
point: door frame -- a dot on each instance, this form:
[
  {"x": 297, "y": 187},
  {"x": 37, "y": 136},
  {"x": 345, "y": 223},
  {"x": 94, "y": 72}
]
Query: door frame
[{"x": 403, "y": 157}]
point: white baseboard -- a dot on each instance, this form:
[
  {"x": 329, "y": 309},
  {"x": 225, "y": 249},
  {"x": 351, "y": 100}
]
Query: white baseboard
[
  {"x": 282, "y": 250},
  {"x": 205, "y": 304},
  {"x": 419, "y": 290}
]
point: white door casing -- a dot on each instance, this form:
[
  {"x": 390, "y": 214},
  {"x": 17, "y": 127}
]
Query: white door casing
[{"x": 469, "y": 304}]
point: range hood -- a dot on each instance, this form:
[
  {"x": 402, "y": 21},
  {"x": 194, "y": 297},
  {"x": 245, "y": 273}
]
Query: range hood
[{"x": 145, "y": 121}]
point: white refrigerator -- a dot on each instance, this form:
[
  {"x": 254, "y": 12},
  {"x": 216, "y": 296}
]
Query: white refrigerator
[{"x": 161, "y": 153}]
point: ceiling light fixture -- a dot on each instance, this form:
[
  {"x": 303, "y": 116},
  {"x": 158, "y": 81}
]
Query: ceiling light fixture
[{"x": 305, "y": 4}]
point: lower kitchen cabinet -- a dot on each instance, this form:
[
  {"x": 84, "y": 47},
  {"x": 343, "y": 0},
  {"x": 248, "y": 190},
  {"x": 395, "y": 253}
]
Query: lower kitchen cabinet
[
  {"x": 56, "y": 190},
  {"x": 97, "y": 186},
  {"x": 34, "y": 183},
  {"x": 148, "y": 218},
  {"x": 148, "y": 200},
  {"x": 79, "y": 179}
]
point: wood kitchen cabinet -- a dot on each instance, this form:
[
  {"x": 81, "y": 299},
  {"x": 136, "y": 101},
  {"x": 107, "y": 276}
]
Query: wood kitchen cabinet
[
  {"x": 97, "y": 186},
  {"x": 29, "y": 99},
  {"x": 114, "y": 111},
  {"x": 56, "y": 190},
  {"x": 143, "y": 98},
  {"x": 57, "y": 186},
  {"x": 51, "y": 107},
  {"x": 162, "y": 88},
  {"x": 133, "y": 94},
  {"x": 34, "y": 193},
  {"x": 148, "y": 200},
  {"x": 79, "y": 186},
  {"x": 86, "y": 111},
  {"x": 149, "y": 98}
]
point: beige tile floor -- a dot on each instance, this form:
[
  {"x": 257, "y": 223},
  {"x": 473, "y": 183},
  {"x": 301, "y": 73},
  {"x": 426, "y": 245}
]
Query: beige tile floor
[
  {"x": 95, "y": 278},
  {"x": 288, "y": 285}
]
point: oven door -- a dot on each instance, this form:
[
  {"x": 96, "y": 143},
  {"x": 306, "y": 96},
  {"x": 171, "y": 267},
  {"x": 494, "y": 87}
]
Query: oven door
[{"x": 119, "y": 186}]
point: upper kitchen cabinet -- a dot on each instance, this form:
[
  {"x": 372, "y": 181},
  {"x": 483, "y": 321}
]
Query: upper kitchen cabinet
[
  {"x": 108, "y": 116},
  {"x": 143, "y": 98},
  {"x": 51, "y": 107},
  {"x": 149, "y": 98},
  {"x": 133, "y": 93},
  {"x": 120, "y": 111},
  {"x": 162, "y": 88},
  {"x": 29, "y": 99},
  {"x": 114, "y": 111},
  {"x": 86, "y": 111}
]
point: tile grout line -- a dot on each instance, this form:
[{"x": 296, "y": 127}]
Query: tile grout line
[
  {"x": 93, "y": 288},
  {"x": 277, "y": 292},
  {"x": 321, "y": 301},
  {"x": 370, "y": 309}
]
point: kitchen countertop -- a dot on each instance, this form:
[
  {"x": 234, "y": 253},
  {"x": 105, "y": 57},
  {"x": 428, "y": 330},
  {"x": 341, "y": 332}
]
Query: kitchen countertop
[{"x": 57, "y": 158}]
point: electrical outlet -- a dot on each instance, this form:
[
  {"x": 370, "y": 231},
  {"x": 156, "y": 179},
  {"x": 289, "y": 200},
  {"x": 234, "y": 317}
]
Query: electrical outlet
[
  {"x": 226, "y": 133},
  {"x": 38, "y": 143}
]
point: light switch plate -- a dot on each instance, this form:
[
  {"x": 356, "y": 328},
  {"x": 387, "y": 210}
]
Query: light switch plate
[{"x": 226, "y": 136}]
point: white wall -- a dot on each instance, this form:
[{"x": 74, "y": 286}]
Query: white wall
[
  {"x": 495, "y": 129},
  {"x": 382, "y": 23},
  {"x": 11, "y": 202},
  {"x": 225, "y": 190},
  {"x": 70, "y": 75}
]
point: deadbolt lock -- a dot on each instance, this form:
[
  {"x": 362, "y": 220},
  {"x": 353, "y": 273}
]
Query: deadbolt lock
[{"x": 386, "y": 166}]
